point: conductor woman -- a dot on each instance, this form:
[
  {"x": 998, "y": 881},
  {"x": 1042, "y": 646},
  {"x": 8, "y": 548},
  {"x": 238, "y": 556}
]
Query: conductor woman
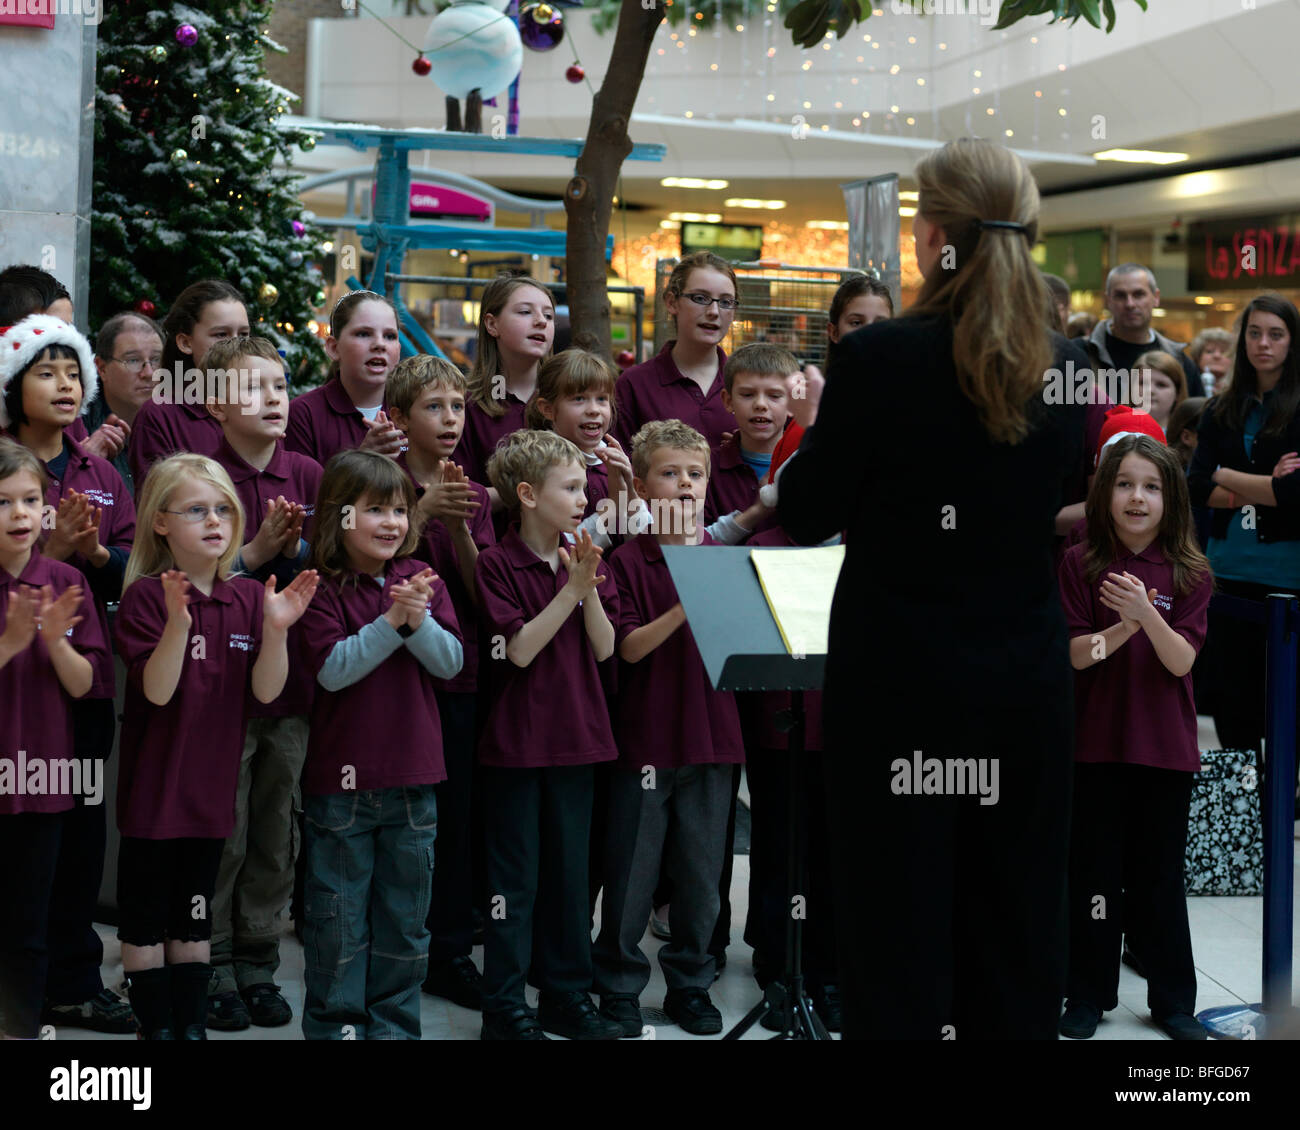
[{"x": 948, "y": 705}]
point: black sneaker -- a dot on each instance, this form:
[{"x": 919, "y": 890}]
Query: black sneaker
[
  {"x": 458, "y": 981},
  {"x": 693, "y": 1012},
  {"x": 1180, "y": 1026},
  {"x": 512, "y": 1024},
  {"x": 104, "y": 1012},
  {"x": 574, "y": 1016},
  {"x": 228, "y": 1013},
  {"x": 624, "y": 1010},
  {"x": 826, "y": 1000},
  {"x": 1079, "y": 1021},
  {"x": 267, "y": 1007}
]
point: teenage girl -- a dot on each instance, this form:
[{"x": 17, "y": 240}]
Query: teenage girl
[
  {"x": 348, "y": 409},
  {"x": 204, "y": 312},
  {"x": 1244, "y": 469},
  {"x": 381, "y": 630},
  {"x": 194, "y": 639},
  {"x": 1135, "y": 594},
  {"x": 47, "y": 655},
  {"x": 575, "y": 399},
  {"x": 684, "y": 381},
  {"x": 516, "y": 330}
]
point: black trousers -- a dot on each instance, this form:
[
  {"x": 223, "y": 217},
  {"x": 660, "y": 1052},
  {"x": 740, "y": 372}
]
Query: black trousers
[
  {"x": 76, "y": 951},
  {"x": 451, "y": 918},
  {"x": 768, "y": 773},
  {"x": 537, "y": 843},
  {"x": 950, "y": 915},
  {"x": 1127, "y": 842},
  {"x": 29, "y": 847},
  {"x": 1236, "y": 650}
]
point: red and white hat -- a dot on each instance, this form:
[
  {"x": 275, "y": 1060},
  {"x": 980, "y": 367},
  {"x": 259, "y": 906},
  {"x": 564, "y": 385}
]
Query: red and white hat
[
  {"x": 24, "y": 341},
  {"x": 1124, "y": 421}
]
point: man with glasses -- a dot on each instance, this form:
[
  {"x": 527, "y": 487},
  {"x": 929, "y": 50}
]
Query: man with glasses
[{"x": 127, "y": 351}]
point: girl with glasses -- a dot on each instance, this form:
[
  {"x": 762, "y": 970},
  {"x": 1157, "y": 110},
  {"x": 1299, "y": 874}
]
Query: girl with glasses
[
  {"x": 684, "y": 381},
  {"x": 194, "y": 638}
]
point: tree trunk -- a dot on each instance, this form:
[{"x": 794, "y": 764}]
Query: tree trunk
[{"x": 589, "y": 197}]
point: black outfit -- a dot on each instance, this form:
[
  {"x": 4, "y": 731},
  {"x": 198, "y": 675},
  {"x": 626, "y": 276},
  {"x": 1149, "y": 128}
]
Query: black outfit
[
  {"x": 1129, "y": 836},
  {"x": 950, "y": 641},
  {"x": 538, "y": 836},
  {"x": 29, "y": 843},
  {"x": 159, "y": 883},
  {"x": 1125, "y": 353},
  {"x": 451, "y": 917},
  {"x": 76, "y": 951},
  {"x": 1235, "y": 647}
]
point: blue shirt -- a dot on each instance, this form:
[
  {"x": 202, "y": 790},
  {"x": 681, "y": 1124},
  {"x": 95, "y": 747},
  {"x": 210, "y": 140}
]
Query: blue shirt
[
  {"x": 759, "y": 464},
  {"x": 1241, "y": 556}
]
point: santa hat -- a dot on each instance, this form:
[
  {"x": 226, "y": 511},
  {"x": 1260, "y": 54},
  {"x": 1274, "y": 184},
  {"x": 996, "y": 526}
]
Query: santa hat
[
  {"x": 23, "y": 342},
  {"x": 1123, "y": 421},
  {"x": 787, "y": 446}
]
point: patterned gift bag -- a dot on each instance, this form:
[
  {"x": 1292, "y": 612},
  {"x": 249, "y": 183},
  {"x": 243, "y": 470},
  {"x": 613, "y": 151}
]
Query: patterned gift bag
[{"x": 1225, "y": 840}]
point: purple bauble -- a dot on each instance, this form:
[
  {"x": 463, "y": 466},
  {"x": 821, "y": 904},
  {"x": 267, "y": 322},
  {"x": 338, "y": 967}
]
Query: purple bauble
[
  {"x": 299, "y": 227},
  {"x": 187, "y": 35},
  {"x": 541, "y": 27}
]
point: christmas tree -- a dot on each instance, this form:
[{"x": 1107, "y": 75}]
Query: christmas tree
[{"x": 186, "y": 181}]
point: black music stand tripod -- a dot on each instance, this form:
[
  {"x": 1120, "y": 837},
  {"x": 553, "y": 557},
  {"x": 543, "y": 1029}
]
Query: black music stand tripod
[{"x": 743, "y": 650}]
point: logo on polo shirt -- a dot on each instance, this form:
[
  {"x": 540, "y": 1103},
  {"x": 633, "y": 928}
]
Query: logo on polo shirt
[
  {"x": 1164, "y": 603},
  {"x": 98, "y": 497},
  {"x": 241, "y": 641}
]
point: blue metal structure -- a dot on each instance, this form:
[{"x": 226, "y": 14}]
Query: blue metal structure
[{"x": 390, "y": 233}]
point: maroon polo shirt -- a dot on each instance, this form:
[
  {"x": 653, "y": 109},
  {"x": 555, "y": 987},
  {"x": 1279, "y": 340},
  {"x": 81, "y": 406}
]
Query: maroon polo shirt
[
  {"x": 161, "y": 430},
  {"x": 1128, "y": 707},
  {"x": 771, "y": 703},
  {"x": 479, "y": 440},
  {"x": 657, "y": 390},
  {"x": 94, "y": 476},
  {"x": 90, "y": 475},
  {"x": 386, "y": 726},
  {"x": 297, "y": 478},
  {"x": 482, "y": 434},
  {"x": 732, "y": 485},
  {"x": 324, "y": 421},
  {"x": 597, "y": 487},
  {"x": 437, "y": 548},
  {"x": 553, "y": 711},
  {"x": 666, "y": 712},
  {"x": 36, "y": 713},
  {"x": 180, "y": 762}
]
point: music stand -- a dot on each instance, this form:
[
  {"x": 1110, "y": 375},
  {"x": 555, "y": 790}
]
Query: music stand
[{"x": 743, "y": 650}]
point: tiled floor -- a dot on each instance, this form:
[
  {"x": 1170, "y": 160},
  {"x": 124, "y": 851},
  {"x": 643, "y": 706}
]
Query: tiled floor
[{"x": 1226, "y": 943}]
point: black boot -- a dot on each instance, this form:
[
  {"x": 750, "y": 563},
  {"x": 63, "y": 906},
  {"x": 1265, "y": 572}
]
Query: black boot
[
  {"x": 150, "y": 991},
  {"x": 190, "y": 999}
]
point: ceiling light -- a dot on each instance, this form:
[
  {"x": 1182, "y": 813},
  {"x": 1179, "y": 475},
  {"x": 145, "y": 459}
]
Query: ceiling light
[
  {"x": 742, "y": 202},
  {"x": 696, "y": 217},
  {"x": 692, "y": 182},
  {"x": 828, "y": 225},
  {"x": 1140, "y": 156}
]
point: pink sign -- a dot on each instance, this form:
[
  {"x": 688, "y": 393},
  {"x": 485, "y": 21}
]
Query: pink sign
[
  {"x": 438, "y": 200},
  {"x": 20, "y": 13}
]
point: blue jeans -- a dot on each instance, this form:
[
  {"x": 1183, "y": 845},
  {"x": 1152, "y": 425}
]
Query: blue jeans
[{"x": 369, "y": 875}]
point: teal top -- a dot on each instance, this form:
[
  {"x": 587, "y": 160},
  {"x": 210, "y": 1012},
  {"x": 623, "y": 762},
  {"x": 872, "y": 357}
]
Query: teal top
[
  {"x": 759, "y": 464},
  {"x": 1241, "y": 556}
]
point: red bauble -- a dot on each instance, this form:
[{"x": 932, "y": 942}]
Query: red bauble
[
  {"x": 625, "y": 358},
  {"x": 575, "y": 73},
  {"x": 421, "y": 66},
  {"x": 145, "y": 307}
]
